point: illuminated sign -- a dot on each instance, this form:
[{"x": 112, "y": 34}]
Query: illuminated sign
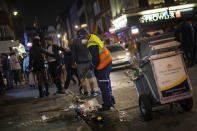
[
  {"x": 135, "y": 30},
  {"x": 157, "y": 16},
  {"x": 29, "y": 44},
  {"x": 120, "y": 22},
  {"x": 120, "y": 34},
  {"x": 166, "y": 14},
  {"x": 178, "y": 14},
  {"x": 112, "y": 30}
]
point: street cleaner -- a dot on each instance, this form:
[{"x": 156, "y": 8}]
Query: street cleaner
[{"x": 102, "y": 62}]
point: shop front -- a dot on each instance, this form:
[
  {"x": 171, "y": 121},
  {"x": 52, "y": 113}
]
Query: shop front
[
  {"x": 153, "y": 21},
  {"x": 7, "y": 46}
]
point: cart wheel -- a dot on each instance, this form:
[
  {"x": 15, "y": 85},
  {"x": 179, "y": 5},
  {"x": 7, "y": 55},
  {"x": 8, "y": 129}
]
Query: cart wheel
[
  {"x": 187, "y": 104},
  {"x": 145, "y": 104}
]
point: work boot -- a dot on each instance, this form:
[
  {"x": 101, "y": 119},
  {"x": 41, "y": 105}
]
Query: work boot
[{"x": 104, "y": 108}]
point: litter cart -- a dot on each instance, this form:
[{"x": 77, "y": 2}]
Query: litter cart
[{"x": 162, "y": 77}]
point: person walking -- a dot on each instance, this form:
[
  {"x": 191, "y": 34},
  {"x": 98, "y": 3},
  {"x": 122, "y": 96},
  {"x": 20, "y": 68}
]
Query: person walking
[
  {"x": 36, "y": 64},
  {"x": 26, "y": 66},
  {"x": 81, "y": 57},
  {"x": 15, "y": 68},
  {"x": 68, "y": 65},
  {"x": 102, "y": 62},
  {"x": 6, "y": 70},
  {"x": 185, "y": 34},
  {"x": 55, "y": 64},
  {"x": 2, "y": 85}
]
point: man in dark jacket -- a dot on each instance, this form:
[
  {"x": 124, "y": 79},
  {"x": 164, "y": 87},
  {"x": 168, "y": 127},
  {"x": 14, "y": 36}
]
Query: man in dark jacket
[
  {"x": 81, "y": 57},
  {"x": 188, "y": 41},
  {"x": 68, "y": 64},
  {"x": 6, "y": 70},
  {"x": 36, "y": 63},
  {"x": 2, "y": 85}
]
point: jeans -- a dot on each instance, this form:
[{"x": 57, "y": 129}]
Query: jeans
[
  {"x": 16, "y": 76},
  {"x": 55, "y": 72},
  {"x": 7, "y": 75}
]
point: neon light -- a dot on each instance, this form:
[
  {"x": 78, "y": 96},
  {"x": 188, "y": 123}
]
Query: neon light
[
  {"x": 84, "y": 25},
  {"x": 180, "y": 7},
  {"x": 120, "y": 22},
  {"x": 112, "y": 30},
  {"x": 172, "y": 8},
  {"x": 26, "y": 38},
  {"x": 178, "y": 14},
  {"x": 147, "y": 12},
  {"x": 135, "y": 30},
  {"x": 29, "y": 44},
  {"x": 156, "y": 17},
  {"x": 153, "y": 17},
  {"x": 120, "y": 34}
]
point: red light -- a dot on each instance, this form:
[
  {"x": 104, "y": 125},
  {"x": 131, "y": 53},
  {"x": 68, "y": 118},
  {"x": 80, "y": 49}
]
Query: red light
[
  {"x": 178, "y": 14},
  {"x": 82, "y": 112},
  {"x": 112, "y": 30}
]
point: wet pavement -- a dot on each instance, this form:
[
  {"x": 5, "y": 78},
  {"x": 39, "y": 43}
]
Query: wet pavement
[{"x": 21, "y": 110}]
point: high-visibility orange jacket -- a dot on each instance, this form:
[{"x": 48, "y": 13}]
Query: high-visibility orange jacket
[{"x": 104, "y": 55}]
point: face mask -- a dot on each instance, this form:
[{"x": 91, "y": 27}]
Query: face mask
[{"x": 84, "y": 41}]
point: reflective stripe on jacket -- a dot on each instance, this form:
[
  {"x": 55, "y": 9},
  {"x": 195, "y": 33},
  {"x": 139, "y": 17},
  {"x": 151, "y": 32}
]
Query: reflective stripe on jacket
[{"x": 104, "y": 55}]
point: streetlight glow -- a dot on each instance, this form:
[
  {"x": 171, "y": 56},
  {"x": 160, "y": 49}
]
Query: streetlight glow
[
  {"x": 84, "y": 25},
  {"x": 58, "y": 35},
  {"x": 15, "y": 13},
  {"x": 76, "y": 26}
]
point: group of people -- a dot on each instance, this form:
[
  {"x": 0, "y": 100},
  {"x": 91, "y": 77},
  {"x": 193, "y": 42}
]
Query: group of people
[
  {"x": 11, "y": 69},
  {"x": 85, "y": 57}
]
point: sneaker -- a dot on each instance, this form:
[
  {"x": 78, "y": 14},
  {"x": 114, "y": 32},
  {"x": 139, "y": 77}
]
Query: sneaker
[{"x": 93, "y": 93}]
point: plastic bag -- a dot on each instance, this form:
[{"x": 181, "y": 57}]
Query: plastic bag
[{"x": 31, "y": 79}]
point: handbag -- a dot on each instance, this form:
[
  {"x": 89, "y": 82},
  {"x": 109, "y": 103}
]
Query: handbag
[{"x": 31, "y": 79}]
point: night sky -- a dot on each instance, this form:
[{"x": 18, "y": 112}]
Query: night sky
[{"x": 45, "y": 10}]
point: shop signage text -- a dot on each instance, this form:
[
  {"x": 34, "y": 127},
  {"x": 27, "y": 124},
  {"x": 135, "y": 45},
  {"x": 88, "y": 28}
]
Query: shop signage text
[
  {"x": 159, "y": 16},
  {"x": 120, "y": 22}
]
